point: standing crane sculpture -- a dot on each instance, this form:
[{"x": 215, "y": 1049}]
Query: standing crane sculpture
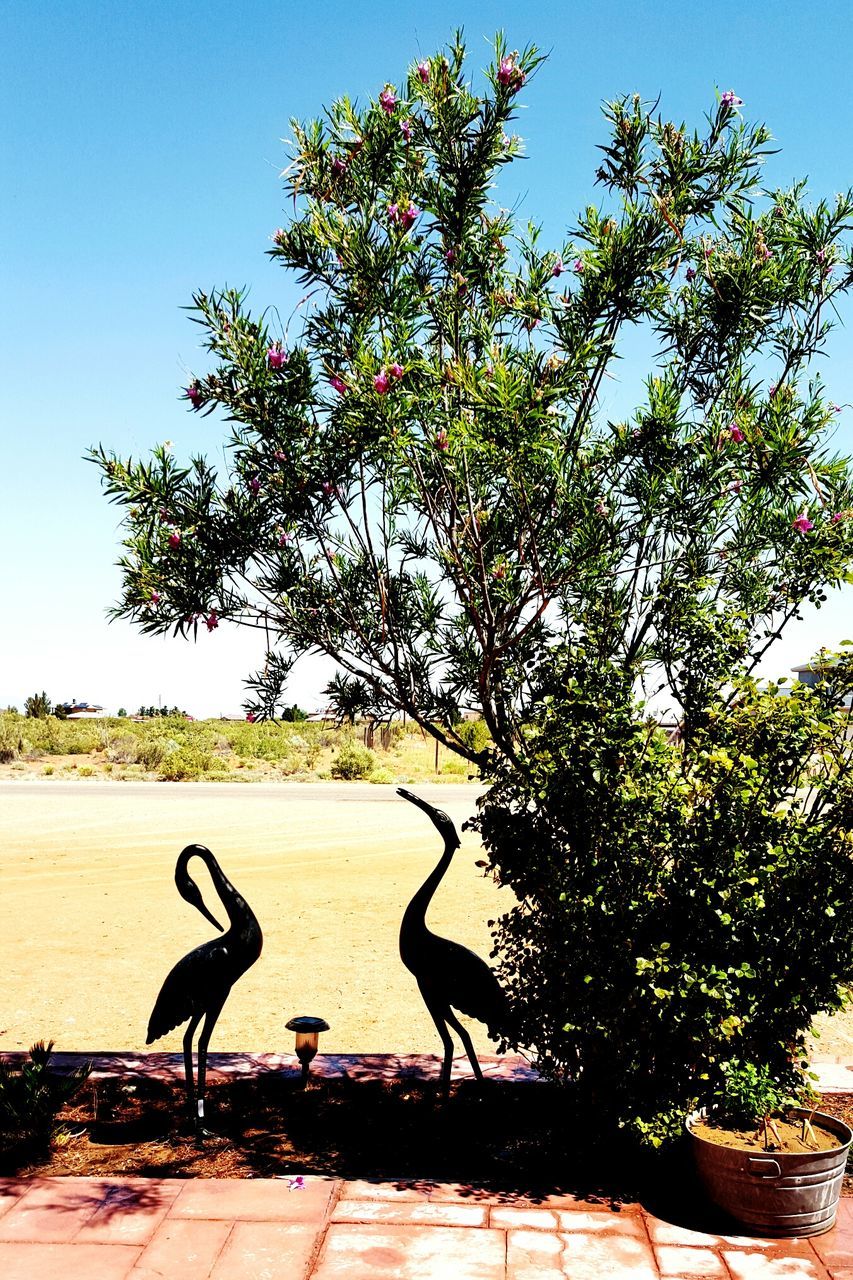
[
  {"x": 449, "y": 976},
  {"x": 199, "y": 984}
]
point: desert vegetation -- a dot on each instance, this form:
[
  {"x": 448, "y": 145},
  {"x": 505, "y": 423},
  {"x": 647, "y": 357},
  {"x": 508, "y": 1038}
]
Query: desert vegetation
[{"x": 175, "y": 749}]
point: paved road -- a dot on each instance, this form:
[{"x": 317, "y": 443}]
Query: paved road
[{"x": 323, "y": 792}]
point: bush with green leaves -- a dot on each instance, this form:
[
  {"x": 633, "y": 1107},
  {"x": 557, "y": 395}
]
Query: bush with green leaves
[
  {"x": 421, "y": 484},
  {"x": 680, "y": 905},
  {"x": 353, "y": 762},
  {"x": 31, "y": 1097}
]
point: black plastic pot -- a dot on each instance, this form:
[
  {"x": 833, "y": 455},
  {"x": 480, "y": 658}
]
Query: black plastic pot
[{"x": 775, "y": 1193}]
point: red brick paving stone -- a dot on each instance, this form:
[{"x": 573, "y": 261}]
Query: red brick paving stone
[
  {"x": 505, "y": 1216},
  {"x": 11, "y": 1191},
  {"x": 408, "y": 1191},
  {"x": 131, "y": 1211},
  {"x": 435, "y": 1213},
  {"x": 53, "y": 1210},
  {"x": 603, "y": 1224},
  {"x": 784, "y": 1263},
  {"x": 254, "y": 1199},
  {"x": 835, "y": 1248},
  {"x": 179, "y": 1251},
  {"x": 681, "y": 1260},
  {"x": 70, "y": 1261},
  {"x": 373, "y": 1252},
  {"x": 581, "y": 1255},
  {"x": 663, "y": 1232},
  {"x": 266, "y": 1251}
]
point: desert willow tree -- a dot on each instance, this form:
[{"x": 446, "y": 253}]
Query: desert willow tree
[{"x": 420, "y": 485}]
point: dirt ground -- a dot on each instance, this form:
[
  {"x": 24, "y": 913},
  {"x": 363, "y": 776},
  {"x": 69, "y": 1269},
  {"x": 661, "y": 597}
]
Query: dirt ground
[{"x": 91, "y": 922}]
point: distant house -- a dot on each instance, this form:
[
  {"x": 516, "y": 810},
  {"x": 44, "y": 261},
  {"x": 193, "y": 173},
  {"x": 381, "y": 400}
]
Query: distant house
[
  {"x": 75, "y": 710},
  {"x": 811, "y": 673}
]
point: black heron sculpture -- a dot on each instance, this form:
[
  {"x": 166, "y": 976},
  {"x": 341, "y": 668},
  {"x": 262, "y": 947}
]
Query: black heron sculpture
[
  {"x": 449, "y": 976},
  {"x": 199, "y": 984}
]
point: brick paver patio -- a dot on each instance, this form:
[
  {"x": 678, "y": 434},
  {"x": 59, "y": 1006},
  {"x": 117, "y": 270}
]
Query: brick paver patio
[
  {"x": 329, "y": 1229},
  {"x": 317, "y": 1228}
]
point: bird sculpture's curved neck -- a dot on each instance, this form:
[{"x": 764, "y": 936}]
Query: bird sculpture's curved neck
[
  {"x": 239, "y": 912},
  {"x": 414, "y": 920}
]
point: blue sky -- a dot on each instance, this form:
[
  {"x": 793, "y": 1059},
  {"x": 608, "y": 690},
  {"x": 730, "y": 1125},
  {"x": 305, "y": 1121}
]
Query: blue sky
[{"x": 141, "y": 152}]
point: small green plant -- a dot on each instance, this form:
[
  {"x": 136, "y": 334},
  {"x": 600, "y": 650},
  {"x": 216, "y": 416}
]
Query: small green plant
[
  {"x": 31, "y": 1097},
  {"x": 47, "y": 770},
  {"x": 381, "y": 776},
  {"x": 748, "y": 1095},
  {"x": 353, "y": 762},
  {"x": 186, "y": 764},
  {"x": 85, "y": 771}
]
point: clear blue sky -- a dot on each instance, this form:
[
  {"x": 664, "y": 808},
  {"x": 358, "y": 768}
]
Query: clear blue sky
[{"x": 141, "y": 153}]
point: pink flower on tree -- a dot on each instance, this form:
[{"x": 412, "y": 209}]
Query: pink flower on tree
[
  {"x": 278, "y": 235},
  {"x": 802, "y": 524},
  {"x": 423, "y": 72},
  {"x": 194, "y": 394},
  {"x": 381, "y": 383},
  {"x": 328, "y": 488},
  {"x": 441, "y": 440},
  {"x": 174, "y": 538},
  {"x": 337, "y": 384},
  {"x": 578, "y": 267},
  {"x": 509, "y": 75},
  {"x": 155, "y": 597},
  {"x": 388, "y": 100},
  {"x": 408, "y": 216},
  {"x": 276, "y": 357},
  {"x": 250, "y": 716},
  {"x": 839, "y": 515},
  {"x": 450, "y": 257},
  {"x": 406, "y": 129},
  {"x": 396, "y": 371},
  {"x": 558, "y": 268},
  {"x": 730, "y": 99},
  {"x": 254, "y": 486},
  {"x": 736, "y": 434},
  {"x": 690, "y": 273},
  {"x": 339, "y": 167},
  {"x": 280, "y": 455},
  {"x": 211, "y": 621}
]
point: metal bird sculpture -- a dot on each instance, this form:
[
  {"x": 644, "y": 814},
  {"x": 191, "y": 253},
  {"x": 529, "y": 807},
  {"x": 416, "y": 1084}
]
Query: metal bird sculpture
[
  {"x": 199, "y": 984},
  {"x": 449, "y": 976}
]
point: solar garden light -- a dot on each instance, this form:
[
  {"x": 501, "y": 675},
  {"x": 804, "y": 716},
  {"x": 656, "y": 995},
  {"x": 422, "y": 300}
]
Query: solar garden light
[{"x": 307, "y": 1038}]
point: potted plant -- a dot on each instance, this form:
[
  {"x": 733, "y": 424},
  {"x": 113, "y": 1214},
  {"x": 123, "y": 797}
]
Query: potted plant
[{"x": 766, "y": 1156}]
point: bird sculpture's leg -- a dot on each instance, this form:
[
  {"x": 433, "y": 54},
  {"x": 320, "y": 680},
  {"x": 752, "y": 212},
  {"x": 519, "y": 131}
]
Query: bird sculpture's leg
[
  {"x": 466, "y": 1041},
  {"x": 188, "y": 1063},
  {"x": 213, "y": 1013},
  {"x": 439, "y": 1014}
]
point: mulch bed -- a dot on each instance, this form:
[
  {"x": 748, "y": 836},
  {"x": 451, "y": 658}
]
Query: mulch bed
[{"x": 506, "y": 1135}]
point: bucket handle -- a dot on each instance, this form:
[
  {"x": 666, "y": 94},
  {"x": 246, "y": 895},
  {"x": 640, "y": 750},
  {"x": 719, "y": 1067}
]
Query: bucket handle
[{"x": 763, "y": 1168}]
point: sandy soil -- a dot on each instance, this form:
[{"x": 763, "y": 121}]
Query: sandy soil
[{"x": 91, "y": 922}]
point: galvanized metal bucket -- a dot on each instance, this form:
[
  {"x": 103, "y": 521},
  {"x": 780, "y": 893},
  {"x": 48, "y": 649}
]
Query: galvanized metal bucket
[{"x": 775, "y": 1193}]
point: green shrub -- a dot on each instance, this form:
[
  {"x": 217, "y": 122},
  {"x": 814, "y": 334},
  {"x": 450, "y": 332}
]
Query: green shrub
[
  {"x": 352, "y": 762},
  {"x": 457, "y": 768},
  {"x": 381, "y": 776},
  {"x": 186, "y": 764},
  {"x": 31, "y": 1097},
  {"x": 11, "y": 737},
  {"x": 474, "y": 734},
  {"x": 681, "y": 906},
  {"x": 85, "y": 771}
]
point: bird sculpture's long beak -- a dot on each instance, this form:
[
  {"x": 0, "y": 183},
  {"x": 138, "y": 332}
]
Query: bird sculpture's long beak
[
  {"x": 422, "y": 804},
  {"x": 189, "y": 890}
]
